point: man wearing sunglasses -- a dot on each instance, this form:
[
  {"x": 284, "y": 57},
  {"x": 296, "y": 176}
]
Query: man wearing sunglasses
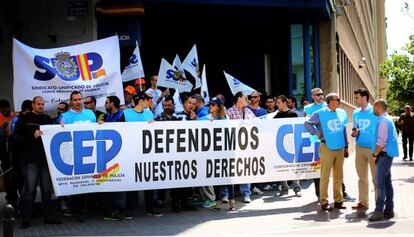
[
  {"x": 90, "y": 103},
  {"x": 318, "y": 103},
  {"x": 254, "y": 106},
  {"x": 61, "y": 108},
  {"x": 329, "y": 124}
]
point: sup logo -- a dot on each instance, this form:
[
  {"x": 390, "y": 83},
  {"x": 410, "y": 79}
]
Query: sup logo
[
  {"x": 100, "y": 142},
  {"x": 69, "y": 68},
  {"x": 298, "y": 142},
  {"x": 175, "y": 75}
]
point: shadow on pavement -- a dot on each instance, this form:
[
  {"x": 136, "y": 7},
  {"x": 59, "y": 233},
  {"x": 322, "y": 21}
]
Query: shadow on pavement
[{"x": 381, "y": 225}]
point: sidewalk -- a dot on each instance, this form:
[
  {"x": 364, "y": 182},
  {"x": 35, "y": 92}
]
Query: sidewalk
[{"x": 266, "y": 215}]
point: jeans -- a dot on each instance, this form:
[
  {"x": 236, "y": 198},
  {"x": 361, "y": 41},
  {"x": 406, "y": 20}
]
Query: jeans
[
  {"x": 34, "y": 174},
  {"x": 226, "y": 190},
  {"x": 385, "y": 190},
  {"x": 245, "y": 190}
]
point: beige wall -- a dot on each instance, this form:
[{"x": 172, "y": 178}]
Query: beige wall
[{"x": 361, "y": 33}]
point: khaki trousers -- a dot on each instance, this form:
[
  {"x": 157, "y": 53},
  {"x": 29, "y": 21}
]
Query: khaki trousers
[
  {"x": 363, "y": 159},
  {"x": 331, "y": 160}
]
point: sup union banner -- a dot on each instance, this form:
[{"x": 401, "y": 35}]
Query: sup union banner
[
  {"x": 92, "y": 68},
  {"x": 113, "y": 157}
]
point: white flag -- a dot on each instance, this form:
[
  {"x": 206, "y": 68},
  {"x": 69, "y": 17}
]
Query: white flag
[
  {"x": 133, "y": 69},
  {"x": 91, "y": 68},
  {"x": 178, "y": 66},
  {"x": 178, "y": 107},
  {"x": 169, "y": 77},
  {"x": 236, "y": 85},
  {"x": 191, "y": 64},
  {"x": 204, "y": 87}
]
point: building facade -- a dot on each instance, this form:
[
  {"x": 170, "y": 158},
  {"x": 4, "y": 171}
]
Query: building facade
[{"x": 274, "y": 46}]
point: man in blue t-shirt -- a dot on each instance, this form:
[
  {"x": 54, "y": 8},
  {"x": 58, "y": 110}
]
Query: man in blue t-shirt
[
  {"x": 364, "y": 122},
  {"x": 330, "y": 123},
  {"x": 77, "y": 114}
]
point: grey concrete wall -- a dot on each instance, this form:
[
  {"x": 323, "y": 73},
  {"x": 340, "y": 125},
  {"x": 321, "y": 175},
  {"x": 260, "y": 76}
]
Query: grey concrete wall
[{"x": 42, "y": 20}]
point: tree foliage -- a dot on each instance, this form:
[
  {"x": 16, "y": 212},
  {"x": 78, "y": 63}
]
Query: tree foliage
[{"x": 399, "y": 70}]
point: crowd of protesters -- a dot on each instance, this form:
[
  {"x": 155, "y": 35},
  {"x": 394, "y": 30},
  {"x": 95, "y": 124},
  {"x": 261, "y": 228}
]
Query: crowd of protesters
[{"x": 26, "y": 169}]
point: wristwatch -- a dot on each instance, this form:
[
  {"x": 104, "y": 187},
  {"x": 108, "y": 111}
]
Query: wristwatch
[{"x": 373, "y": 155}]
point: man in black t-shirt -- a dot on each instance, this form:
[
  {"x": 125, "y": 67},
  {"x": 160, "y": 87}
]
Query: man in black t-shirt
[
  {"x": 285, "y": 112},
  {"x": 37, "y": 172}
]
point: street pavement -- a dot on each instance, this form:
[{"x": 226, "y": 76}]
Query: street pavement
[{"x": 267, "y": 215}]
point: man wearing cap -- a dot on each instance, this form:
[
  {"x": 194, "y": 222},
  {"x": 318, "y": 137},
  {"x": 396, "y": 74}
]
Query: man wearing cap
[
  {"x": 140, "y": 84},
  {"x": 129, "y": 92},
  {"x": 330, "y": 123},
  {"x": 140, "y": 113},
  {"x": 407, "y": 121}
]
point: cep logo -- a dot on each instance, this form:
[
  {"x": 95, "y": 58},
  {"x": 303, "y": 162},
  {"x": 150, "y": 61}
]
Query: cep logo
[
  {"x": 107, "y": 145},
  {"x": 363, "y": 124},
  {"x": 334, "y": 125},
  {"x": 87, "y": 66},
  {"x": 297, "y": 130}
]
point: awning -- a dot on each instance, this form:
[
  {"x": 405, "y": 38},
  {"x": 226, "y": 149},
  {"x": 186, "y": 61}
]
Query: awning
[{"x": 123, "y": 10}]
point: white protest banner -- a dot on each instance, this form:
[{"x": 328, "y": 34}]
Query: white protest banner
[
  {"x": 134, "y": 68},
  {"x": 91, "y": 68},
  {"x": 204, "y": 87},
  {"x": 236, "y": 85},
  {"x": 191, "y": 65},
  {"x": 170, "y": 77},
  {"x": 178, "y": 104},
  {"x": 114, "y": 157}
]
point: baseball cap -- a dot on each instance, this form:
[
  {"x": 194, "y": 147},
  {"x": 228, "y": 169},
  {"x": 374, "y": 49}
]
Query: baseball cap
[
  {"x": 130, "y": 89},
  {"x": 140, "y": 81},
  {"x": 141, "y": 95},
  {"x": 215, "y": 101}
]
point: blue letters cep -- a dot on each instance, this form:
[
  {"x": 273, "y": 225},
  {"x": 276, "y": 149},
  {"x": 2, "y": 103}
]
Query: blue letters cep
[{"x": 103, "y": 154}]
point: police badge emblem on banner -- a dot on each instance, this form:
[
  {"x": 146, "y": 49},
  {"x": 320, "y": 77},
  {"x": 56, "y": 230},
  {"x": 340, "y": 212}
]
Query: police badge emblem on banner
[{"x": 92, "y": 68}]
